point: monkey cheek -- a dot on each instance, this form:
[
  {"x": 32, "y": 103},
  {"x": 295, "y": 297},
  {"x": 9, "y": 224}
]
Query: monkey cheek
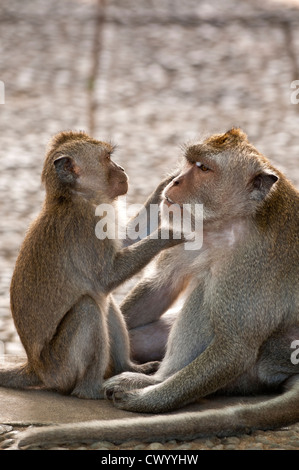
[
  {"x": 119, "y": 189},
  {"x": 123, "y": 188}
]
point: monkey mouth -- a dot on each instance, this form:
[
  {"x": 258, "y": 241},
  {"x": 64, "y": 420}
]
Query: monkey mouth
[{"x": 169, "y": 202}]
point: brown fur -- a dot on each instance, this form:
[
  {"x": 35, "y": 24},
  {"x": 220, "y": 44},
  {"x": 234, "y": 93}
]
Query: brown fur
[
  {"x": 241, "y": 312},
  {"x": 66, "y": 318}
]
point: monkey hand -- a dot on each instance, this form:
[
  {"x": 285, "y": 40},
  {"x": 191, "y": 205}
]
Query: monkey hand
[
  {"x": 146, "y": 368},
  {"x": 126, "y": 381},
  {"x": 155, "y": 197},
  {"x": 173, "y": 236},
  {"x": 142, "y": 401}
]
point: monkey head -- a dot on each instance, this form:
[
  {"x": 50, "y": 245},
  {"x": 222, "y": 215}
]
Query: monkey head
[
  {"x": 226, "y": 174},
  {"x": 77, "y": 163}
]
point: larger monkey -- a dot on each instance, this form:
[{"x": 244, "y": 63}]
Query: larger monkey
[
  {"x": 60, "y": 290},
  {"x": 236, "y": 328}
]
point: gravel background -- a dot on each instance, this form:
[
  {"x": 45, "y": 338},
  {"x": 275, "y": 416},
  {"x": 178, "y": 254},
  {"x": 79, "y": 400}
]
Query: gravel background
[{"x": 149, "y": 75}]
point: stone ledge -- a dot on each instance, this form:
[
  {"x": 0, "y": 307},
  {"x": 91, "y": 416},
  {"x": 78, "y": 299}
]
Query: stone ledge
[{"x": 43, "y": 407}]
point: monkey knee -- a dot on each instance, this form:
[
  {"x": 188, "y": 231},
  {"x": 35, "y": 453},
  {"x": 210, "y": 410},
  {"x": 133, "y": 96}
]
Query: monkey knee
[
  {"x": 66, "y": 364},
  {"x": 74, "y": 377},
  {"x": 56, "y": 378}
]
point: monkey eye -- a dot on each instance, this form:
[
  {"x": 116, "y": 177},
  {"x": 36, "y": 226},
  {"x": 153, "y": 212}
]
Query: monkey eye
[{"x": 202, "y": 166}]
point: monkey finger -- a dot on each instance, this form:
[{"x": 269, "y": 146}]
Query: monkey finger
[
  {"x": 131, "y": 400},
  {"x": 118, "y": 383},
  {"x": 120, "y": 397},
  {"x": 110, "y": 392},
  {"x": 147, "y": 368},
  {"x": 127, "y": 381}
]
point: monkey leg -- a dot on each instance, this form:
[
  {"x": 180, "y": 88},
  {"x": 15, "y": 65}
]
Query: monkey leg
[
  {"x": 200, "y": 378},
  {"x": 75, "y": 360},
  {"x": 148, "y": 342},
  {"x": 20, "y": 377},
  {"x": 266, "y": 414},
  {"x": 192, "y": 367},
  {"x": 272, "y": 369},
  {"x": 143, "y": 309},
  {"x": 120, "y": 344},
  {"x": 149, "y": 300},
  {"x": 182, "y": 348},
  {"x": 205, "y": 375},
  {"x": 275, "y": 363}
]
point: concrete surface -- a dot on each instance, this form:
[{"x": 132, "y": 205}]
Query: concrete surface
[
  {"x": 20, "y": 409},
  {"x": 150, "y": 75}
]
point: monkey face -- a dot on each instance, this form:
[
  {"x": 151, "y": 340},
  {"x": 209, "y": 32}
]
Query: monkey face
[
  {"x": 77, "y": 163},
  {"x": 225, "y": 174},
  {"x": 101, "y": 174},
  {"x": 117, "y": 181}
]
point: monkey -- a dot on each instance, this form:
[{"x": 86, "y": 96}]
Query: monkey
[
  {"x": 234, "y": 333},
  {"x": 61, "y": 302},
  {"x": 245, "y": 199}
]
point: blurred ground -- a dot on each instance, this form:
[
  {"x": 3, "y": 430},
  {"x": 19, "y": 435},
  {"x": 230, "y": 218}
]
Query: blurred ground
[{"x": 149, "y": 75}]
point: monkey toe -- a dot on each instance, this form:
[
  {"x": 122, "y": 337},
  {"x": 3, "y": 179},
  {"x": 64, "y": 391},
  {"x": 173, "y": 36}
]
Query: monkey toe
[{"x": 148, "y": 367}]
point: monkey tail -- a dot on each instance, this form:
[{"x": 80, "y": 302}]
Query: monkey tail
[
  {"x": 20, "y": 377},
  {"x": 280, "y": 411}
]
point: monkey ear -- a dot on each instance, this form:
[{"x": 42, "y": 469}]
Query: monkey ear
[
  {"x": 66, "y": 169},
  {"x": 261, "y": 184}
]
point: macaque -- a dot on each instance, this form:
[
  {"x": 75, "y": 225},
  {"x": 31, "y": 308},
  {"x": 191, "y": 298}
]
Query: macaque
[
  {"x": 61, "y": 302},
  {"x": 240, "y": 318}
]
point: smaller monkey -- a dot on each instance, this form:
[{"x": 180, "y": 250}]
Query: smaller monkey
[
  {"x": 235, "y": 332},
  {"x": 61, "y": 301}
]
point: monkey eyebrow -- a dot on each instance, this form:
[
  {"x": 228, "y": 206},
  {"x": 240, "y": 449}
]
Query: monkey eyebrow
[
  {"x": 106, "y": 152},
  {"x": 191, "y": 156},
  {"x": 195, "y": 157},
  {"x": 59, "y": 153},
  {"x": 110, "y": 148}
]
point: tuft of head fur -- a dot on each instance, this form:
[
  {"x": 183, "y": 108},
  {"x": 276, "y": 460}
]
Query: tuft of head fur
[
  {"x": 66, "y": 136},
  {"x": 233, "y": 136}
]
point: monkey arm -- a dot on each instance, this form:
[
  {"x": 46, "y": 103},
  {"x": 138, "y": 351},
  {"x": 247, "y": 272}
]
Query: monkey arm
[
  {"x": 210, "y": 345},
  {"x": 202, "y": 377},
  {"x": 154, "y": 198},
  {"x": 132, "y": 259}
]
